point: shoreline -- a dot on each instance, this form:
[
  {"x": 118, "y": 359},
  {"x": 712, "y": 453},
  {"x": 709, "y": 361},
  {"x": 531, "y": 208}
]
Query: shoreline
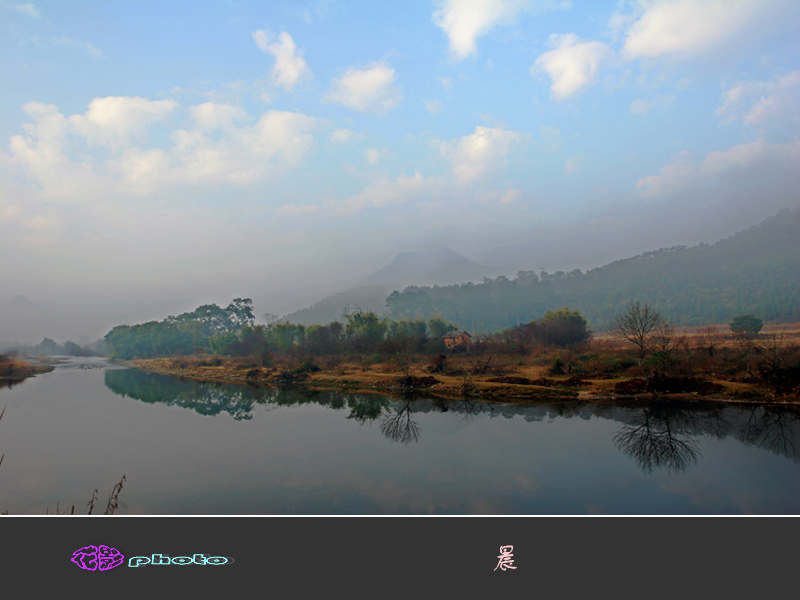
[
  {"x": 21, "y": 368},
  {"x": 376, "y": 379}
]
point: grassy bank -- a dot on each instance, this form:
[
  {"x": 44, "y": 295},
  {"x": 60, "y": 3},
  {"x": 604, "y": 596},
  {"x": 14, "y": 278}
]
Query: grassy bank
[
  {"x": 14, "y": 369},
  {"x": 591, "y": 376}
]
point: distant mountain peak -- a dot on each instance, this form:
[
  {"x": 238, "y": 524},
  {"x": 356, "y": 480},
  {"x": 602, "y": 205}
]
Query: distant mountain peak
[
  {"x": 23, "y": 302},
  {"x": 430, "y": 265}
]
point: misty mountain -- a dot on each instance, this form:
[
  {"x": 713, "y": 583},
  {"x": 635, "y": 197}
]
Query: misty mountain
[
  {"x": 22, "y": 304},
  {"x": 756, "y": 271},
  {"x": 20, "y": 316},
  {"x": 433, "y": 266}
]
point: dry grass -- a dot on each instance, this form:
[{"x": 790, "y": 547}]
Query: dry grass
[{"x": 596, "y": 370}]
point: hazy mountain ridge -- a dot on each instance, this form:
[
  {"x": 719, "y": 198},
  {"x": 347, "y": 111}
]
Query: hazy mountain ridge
[
  {"x": 754, "y": 271},
  {"x": 434, "y": 266}
]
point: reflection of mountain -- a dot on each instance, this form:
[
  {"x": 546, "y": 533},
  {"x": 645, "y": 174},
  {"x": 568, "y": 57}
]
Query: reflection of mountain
[{"x": 656, "y": 435}]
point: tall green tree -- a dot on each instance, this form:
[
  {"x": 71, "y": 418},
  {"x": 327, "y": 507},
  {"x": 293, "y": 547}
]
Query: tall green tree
[
  {"x": 563, "y": 327},
  {"x": 365, "y": 330},
  {"x": 747, "y": 325}
]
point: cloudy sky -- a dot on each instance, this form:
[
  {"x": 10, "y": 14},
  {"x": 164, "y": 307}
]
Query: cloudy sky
[{"x": 166, "y": 154}]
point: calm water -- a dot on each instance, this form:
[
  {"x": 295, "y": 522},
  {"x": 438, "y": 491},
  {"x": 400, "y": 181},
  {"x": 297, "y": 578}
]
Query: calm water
[{"x": 194, "y": 448}]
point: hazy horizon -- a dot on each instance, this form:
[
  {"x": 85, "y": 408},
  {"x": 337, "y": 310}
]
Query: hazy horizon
[{"x": 158, "y": 156}]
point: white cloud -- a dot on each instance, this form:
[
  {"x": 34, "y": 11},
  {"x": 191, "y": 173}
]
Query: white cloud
[
  {"x": 276, "y": 143},
  {"x": 297, "y": 210},
  {"x": 687, "y": 27},
  {"x": 573, "y": 163},
  {"x": 639, "y": 106},
  {"x": 366, "y": 90},
  {"x": 480, "y": 153},
  {"x": 342, "y": 136},
  {"x": 215, "y": 150},
  {"x": 758, "y": 103},
  {"x": 509, "y": 196},
  {"x": 386, "y": 192},
  {"x": 28, "y": 9},
  {"x": 375, "y": 155},
  {"x": 748, "y": 159},
  {"x": 116, "y": 121},
  {"x": 572, "y": 64},
  {"x": 551, "y": 139},
  {"x": 290, "y": 67},
  {"x": 211, "y": 116},
  {"x": 70, "y": 43},
  {"x": 41, "y": 154},
  {"x": 261, "y": 38},
  {"x": 464, "y": 21},
  {"x": 433, "y": 106}
]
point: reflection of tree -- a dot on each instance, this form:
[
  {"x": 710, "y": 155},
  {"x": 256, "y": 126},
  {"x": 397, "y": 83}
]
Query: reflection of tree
[
  {"x": 465, "y": 406},
  {"x": 654, "y": 440},
  {"x": 773, "y": 429},
  {"x": 204, "y": 398},
  {"x": 399, "y": 426},
  {"x": 366, "y": 408}
]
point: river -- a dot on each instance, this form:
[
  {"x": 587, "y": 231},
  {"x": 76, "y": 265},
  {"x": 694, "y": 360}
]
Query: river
[{"x": 190, "y": 448}]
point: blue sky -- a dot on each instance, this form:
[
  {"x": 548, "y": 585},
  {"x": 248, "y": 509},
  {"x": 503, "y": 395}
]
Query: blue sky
[{"x": 173, "y": 153}]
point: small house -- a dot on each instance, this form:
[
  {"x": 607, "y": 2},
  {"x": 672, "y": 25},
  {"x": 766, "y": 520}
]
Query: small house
[{"x": 456, "y": 339}]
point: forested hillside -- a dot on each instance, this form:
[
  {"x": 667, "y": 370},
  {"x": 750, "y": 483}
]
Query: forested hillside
[{"x": 756, "y": 271}]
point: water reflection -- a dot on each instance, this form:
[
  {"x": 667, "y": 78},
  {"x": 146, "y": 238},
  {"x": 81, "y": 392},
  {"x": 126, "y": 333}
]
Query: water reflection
[
  {"x": 657, "y": 438},
  {"x": 399, "y": 426},
  {"x": 774, "y": 429},
  {"x": 655, "y": 435},
  {"x": 10, "y": 383},
  {"x": 237, "y": 401},
  {"x": 204, "y": 398}
]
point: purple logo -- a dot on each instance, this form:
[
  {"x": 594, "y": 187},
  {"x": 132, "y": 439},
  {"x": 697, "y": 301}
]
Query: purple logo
[{"x": 97, "y": 558}]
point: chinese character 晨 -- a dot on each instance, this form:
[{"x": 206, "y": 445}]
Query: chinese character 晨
[{"x": 506, "y": 561}]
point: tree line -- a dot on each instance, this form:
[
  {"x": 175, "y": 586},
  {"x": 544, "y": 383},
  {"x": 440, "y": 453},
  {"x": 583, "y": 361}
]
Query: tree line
[{"x": 231, "y": 331}]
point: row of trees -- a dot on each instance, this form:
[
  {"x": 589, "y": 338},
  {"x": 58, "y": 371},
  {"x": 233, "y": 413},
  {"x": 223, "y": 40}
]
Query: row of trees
[
  {"x": 183, "y": 334},
  {"x": 231, "y": 331},
  {"x": 363, "y": 332}
]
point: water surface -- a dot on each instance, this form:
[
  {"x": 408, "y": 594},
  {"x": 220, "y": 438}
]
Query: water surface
[{"x": 199, "y": 448}]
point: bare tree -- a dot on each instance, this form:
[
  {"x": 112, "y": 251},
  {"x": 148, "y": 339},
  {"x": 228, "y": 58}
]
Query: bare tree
[
  {"x": 664, "y": 343},
  {"x": 773, "y": 349},
  {"x": 709, "y": 340},
  {"x": 635, "y": 324}
]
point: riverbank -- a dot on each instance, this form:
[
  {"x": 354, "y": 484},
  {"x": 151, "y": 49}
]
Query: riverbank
[
  {"x": 522, "y": 383},
  {"x": 15, "y": 369}
]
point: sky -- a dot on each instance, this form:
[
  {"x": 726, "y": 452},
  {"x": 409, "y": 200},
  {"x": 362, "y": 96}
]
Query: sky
[{"x": 155, "y": 156}]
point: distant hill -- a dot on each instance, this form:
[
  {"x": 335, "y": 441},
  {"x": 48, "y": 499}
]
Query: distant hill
[
  {"x": 754, "y": 271},
  {"x": 432, "y": 266},
  {"x": 24, "y": 304},
  {"x": 20, "y": 317}
]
